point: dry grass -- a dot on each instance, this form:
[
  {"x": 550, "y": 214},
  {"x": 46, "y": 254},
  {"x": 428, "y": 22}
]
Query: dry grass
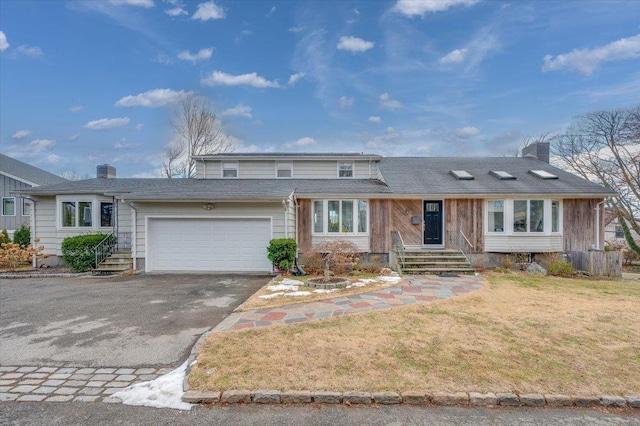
[
  {"x": 255, "y": 302},
  {"x": 518, "y": 333}
]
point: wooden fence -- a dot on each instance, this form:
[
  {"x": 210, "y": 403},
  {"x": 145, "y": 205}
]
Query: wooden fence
[{"x": 598, "y": 263}]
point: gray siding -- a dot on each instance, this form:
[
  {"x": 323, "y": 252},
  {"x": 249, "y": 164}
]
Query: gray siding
[
  {"x": 302, "y": 169},
  {"x": 12, "y": 223}
]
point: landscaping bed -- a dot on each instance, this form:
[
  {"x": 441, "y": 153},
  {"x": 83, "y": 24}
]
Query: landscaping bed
[{"x": 518, "y": 334}]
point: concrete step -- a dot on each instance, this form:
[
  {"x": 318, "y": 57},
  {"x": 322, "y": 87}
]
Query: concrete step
[{"x": 438, "y": 271}]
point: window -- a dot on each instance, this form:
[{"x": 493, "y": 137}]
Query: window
[
  {"x": 340, "y": 216},
  {"x": 520, "y": 216},
  {"x": 536, "y": 216},
  {"x": 26, "y": 207},
  {"x": 284, "y": 170},
  {"x": 229, "y": 169},
  {"x": 528, "y": 216},
  {"x": 76, "y": 214},
  {"x": 495, "y": 209},
  {"x": 619, "y": 232},
  {"x": 345, "y": 170},
  {"x": 8, "y": 206},
  {"x": 555, "y": 216},
  {"x": 106, "y": 214}
]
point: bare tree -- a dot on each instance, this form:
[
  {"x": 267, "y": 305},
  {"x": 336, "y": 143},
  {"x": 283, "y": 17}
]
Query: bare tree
[
  {"x": 198, "y": 132},
  {"x": 604, "y": 147},
  {"x": 73, "y": 175}
]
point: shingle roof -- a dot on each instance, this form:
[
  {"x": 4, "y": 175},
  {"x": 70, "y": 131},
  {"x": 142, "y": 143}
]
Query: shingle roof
[
  {"x": 26, "y": 172},
  {"x": 404, "y": 176},
  {"x": 211, "y": 189},
  {"x": 431, "y": 175}
]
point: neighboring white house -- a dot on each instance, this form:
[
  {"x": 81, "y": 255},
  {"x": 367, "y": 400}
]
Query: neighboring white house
[
  {"x": 613, "y": 233},
  {"x": 224, "y": 218},
  {"x": 15, "y": 211}
]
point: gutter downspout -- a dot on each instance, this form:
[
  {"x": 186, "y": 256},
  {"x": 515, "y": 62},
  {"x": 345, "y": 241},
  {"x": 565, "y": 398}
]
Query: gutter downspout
[
  {"x": 598, "y": 223},
  {"x": 32, "y": 224},
  {"x": 286, "y": 218},
  {"x": 134, "y": 235}
]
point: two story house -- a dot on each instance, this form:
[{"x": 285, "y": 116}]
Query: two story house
[
  {"x": 16, "y": 175},
  {"x": 224, "y": 218}
]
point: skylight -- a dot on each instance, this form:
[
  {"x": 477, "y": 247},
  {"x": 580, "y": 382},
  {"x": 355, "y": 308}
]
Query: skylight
[
  {"x": 501, "y": 175},
  {"x": 461, "y": 175},
  {"x": 543, "y": 174}
]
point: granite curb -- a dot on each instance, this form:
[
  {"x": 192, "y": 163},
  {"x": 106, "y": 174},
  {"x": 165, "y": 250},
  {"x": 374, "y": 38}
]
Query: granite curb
[
  {"x": 66, "y": 275},
  {"x": 410, "y": 397}
]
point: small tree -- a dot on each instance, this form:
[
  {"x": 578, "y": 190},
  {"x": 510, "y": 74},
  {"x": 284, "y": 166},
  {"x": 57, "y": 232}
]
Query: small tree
[
  {"x": 22, "y": 236},
  {"x": 282, "y": 253},
  {"x": 340, "y": 256}
]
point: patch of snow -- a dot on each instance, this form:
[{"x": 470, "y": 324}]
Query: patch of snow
[
  {"x": 289, "y": 281},
  {"x": 323, "y": 291},
  {"x": 163, "y": 392},
  {"x": 298, "y": 293},
  {"x": 390, "y": 279},
  {"x": 283, "y": 287},
  {"x": 367, "y": 280},
  {"x": 271, "y": 296}
]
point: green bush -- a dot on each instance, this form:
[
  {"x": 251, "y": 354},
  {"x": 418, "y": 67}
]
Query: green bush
[
  {"x": 4, "y": 237},
  {"x": 22, "y": 236},
  {"x": 561, "y": 268},
  {"x": 78, "y": 252},
  {"x": 282, "y": 253}
]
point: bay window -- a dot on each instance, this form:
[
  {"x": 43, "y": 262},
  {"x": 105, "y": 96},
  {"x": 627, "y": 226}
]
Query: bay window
[
  {"x": 76, "y": 214},
  {"x": 495, "y": 210},
  {"x": 340, "y": 217},
  {"x": 555, "y": 216},
  {"x": 509, "y": 216}
]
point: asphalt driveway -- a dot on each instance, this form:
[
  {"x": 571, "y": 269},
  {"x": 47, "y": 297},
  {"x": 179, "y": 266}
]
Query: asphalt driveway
[{"x": 148, "y": 320}]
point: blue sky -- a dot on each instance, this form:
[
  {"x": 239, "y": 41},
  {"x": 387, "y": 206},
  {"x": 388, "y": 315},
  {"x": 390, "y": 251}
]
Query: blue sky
[{"x": 91, "y": 82}]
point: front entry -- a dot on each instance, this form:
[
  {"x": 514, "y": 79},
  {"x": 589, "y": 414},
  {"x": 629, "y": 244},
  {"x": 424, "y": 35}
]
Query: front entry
[{"x": 433, "y": 222}]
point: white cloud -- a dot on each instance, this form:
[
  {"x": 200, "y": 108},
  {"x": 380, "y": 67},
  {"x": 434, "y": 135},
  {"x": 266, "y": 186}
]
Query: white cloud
[
  {"x": 585, "y": 61},
  {"x": 153, "y": 98},
  {"x": 375, "y": 119},
  {"x": 139, "y": 126},
  {"x": 139, "y": 3},
  {"x": 387, "y": 103},
  {"x": 40, "y": 145},
  {"x": 107, "y": 123},
  {"x": 454, "y": 57},
  {"x": 51, "y": 159},
  {"x": 176, "y": 11},
  {"x": 271, "y": 12},
  {"x": 295, "y": 77},
  {"x": 466, "y": 132},
  {"x": 75, "y": 108},
  {"x": 123, "y": 145},
  {"x": 20, "y": 134},
  {"x": 4, "y": 44},
  {"x": 296, "y": 29},
  {"x": 163, "y": 59},
  {"x": 238, "y": 111},
  {"x": 354, "y": 44},
  {"x": 420, "y": 7},
  {"x": 345, "y": 102},
  {"x": 218, "y": 78},
  {"x": 73, "y": 137},
  {"x": 243, "y": 34},
  {"x": 302, "y": 142},
  {"x": 209, "y": 10},
  {"x": 194, "y": 58},
  {"x": 30, "y": 51}
]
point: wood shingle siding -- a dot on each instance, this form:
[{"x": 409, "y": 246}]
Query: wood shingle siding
[
  {"x": 401, "y": 213},
  {"x": 379, "y": 226}
]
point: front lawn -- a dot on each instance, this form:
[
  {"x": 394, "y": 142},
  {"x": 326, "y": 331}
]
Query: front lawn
[{"x": 519, "y": 333}]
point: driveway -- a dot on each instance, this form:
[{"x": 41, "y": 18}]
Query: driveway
[{"x": 125, "y": 321}]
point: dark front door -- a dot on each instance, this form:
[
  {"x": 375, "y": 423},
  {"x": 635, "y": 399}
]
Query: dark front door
[{"x": 433, "y": 222}]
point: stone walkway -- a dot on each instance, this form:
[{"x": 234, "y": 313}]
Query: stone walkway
[
  {"x": 412, "y": 289},
  {"x": 62, "y": 384}
]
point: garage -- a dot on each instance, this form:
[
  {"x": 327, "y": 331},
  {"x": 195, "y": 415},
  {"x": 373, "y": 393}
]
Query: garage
[{"x": 208, "y": 244}]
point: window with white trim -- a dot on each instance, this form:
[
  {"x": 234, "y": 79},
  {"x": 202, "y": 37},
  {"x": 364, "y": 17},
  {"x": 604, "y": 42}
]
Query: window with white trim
[
  {"x": 555, "y": 216},
  {"x": 495, "y": 212},
  {"x": 229, "y": 169},
  {"x": 76, "y": 214},
  {"x": 284, "y": 169},
  {"x": 106, "y": 214},
  {"x": 619, "y": 231},
  {"x": 26, "y": 207},
  {"x": 345, "y": 169},
  {"x": 331, "y": 217},
  {"x": 8, "y": 206}
]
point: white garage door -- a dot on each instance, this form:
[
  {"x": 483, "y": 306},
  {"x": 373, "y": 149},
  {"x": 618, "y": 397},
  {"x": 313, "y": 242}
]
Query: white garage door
[{"x": 208, "y": 244}]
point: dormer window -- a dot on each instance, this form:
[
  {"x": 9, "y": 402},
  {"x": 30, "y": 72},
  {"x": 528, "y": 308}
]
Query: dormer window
[
  {"x": 284, "y": 169},
  {"x": 345, "y": 169},
  {"x": 230, "y": 169}
]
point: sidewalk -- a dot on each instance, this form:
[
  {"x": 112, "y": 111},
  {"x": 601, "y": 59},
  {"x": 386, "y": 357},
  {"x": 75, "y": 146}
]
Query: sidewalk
[{"x": 412, "y": 289}]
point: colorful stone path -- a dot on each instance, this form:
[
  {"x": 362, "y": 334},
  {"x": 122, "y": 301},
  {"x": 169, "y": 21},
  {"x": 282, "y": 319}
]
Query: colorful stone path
[{"x": 412, "y": 289}]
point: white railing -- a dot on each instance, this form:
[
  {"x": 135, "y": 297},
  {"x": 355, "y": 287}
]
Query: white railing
[
  {"x": 398, "y": 244},
  {"x": 466, "y": 247}
]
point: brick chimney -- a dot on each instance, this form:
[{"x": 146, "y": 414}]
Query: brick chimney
[
  {"x": 105, "y": 171},
  {"x": 538, "y": 151}
]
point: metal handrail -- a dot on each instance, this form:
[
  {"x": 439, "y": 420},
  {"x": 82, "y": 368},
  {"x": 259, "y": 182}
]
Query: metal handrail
[
  {"x": 104, "y": 248},
  {"x": 398, "y": 244},
  {"x": 463, "y": 248}
]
